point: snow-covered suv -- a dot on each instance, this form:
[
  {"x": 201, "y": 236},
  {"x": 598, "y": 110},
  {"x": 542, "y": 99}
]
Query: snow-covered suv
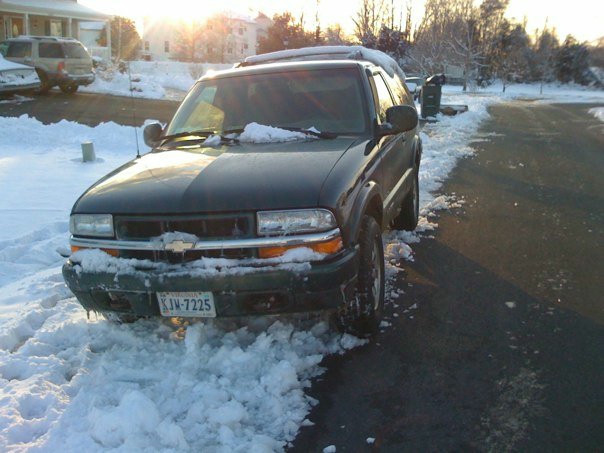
[
  {"x": 62, "y": 62},
  {"x": 267, "y": 193}
]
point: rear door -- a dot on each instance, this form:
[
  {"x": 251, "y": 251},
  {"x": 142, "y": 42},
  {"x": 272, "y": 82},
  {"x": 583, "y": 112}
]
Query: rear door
[
  {"x": 50, "y": 54},
  {"x": 77, "y": 59}
]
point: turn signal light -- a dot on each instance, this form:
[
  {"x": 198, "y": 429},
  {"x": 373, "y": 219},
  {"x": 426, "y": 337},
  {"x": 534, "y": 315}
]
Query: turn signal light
[
  {"x": 328, "y": 248},
  {"x": 112, "y": 252}
]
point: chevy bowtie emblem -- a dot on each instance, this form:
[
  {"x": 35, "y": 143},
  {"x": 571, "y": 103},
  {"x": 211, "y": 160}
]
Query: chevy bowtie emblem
[{"x": 178, "y": 246}]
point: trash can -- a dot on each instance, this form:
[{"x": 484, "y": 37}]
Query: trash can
[{"x": 431, "y": 94}]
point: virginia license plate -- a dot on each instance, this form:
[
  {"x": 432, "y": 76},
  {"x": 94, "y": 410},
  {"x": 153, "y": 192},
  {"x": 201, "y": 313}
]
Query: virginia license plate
[{"x": 190, "y": 304}]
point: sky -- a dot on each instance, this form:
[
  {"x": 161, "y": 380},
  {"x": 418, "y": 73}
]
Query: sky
[{"x": 582, "y": 18}]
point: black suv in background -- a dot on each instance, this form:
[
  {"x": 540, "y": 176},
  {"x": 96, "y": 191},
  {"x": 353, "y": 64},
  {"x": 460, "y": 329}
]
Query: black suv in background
[{"x": 216, "y": 222}]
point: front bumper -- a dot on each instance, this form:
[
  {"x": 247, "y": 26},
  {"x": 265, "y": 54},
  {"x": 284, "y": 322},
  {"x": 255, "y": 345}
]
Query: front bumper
[
  {"x": 269, "y": 290},
  {"x": 6, "y": 88}
]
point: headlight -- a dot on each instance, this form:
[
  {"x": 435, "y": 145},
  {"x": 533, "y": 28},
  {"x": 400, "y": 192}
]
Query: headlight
[
  {"x": 295, "y": 222},
  {"x": 91, "y": 225}
]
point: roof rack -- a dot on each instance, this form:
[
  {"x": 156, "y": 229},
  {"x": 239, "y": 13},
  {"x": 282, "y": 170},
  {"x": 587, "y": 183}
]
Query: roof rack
[
  {"x": 46, "y": 38},
  {"x": 359, "y": 53}
]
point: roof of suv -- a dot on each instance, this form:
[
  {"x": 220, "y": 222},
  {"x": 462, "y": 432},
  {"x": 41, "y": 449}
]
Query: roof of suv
[
  {"x": 287, "y": 66},
  {"x": 42, "y": 38}
]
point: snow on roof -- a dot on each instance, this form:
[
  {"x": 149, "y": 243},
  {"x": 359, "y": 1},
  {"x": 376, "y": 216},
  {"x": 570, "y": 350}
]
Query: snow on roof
[
  {"x": 6, "y": 65},
  {"x": 60, "y": 7},
  {"x": 376, "y": 57}
]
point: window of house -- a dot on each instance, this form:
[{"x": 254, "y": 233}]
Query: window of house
[
  {"x": 230, "y": 50},
  {"x": 241, "y": 31},
  {"x": 50, "y": 50},
  {"x": 56, "y": 28},
  {"x": 19, "y": 50},
  {"x": 167, "y": 46},
  {"x": 147, "y": 46},
  {"x": 245, "y": 46},
  {"x": 384, "y": 98}
]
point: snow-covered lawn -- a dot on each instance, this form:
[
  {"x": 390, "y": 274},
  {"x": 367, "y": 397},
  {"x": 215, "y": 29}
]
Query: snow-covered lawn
[
  {"x": 70, "y": 383},
  {"x": 152, "y": 79}
]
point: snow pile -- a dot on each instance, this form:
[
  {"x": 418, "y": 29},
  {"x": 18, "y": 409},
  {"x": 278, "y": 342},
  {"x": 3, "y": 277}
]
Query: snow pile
[
  {"x": 374, "y": 56},
  {"x": 90, "y": 386},
  {"x": 259, "y": 133},
  {"x": 598, "y": 112},
  {"x": 152, "y": 79}
]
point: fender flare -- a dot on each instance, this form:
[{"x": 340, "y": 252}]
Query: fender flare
[{"x": 369, "y": 192}]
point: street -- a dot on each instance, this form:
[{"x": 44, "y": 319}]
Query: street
[
  {"x": 499, "y": 345},
  {"x": 90, "y": 109},
  {"x": 470, "y": 372}
]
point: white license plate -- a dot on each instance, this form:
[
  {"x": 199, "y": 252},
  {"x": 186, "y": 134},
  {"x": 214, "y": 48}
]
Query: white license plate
[{"x": 191, "y": 304}]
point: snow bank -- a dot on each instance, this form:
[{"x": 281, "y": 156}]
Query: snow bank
[
  {"x": 152, "y": 79},
  {"x": 598, "y": 112}
]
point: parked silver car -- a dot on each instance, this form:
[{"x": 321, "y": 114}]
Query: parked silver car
[
  {"x": 62, "y": 62},
  {"x": 16, "y": 78}
]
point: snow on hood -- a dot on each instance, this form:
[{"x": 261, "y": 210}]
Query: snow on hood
[
  {"x": 259, "y": 133},
  {"x": 374, "y": 56},
  {"x": 6, "y": 65}
]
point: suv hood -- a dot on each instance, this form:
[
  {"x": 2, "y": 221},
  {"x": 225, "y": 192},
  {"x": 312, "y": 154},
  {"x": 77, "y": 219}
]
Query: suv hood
[{"x": 229, "y": 178}]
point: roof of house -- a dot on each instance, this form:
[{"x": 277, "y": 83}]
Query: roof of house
[{"x": 62, "y": 8}]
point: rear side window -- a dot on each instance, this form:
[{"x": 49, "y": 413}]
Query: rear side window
[
  {"x": 50, "y": 50},
  {"x": 75, "y": 50},
  {"x": 19, "y": 50},
  {"x": 384, "y": 99}
]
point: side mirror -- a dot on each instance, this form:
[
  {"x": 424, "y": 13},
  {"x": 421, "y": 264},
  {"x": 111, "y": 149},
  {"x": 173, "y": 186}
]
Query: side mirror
[
  {"x": 400, "y": 118},
  {"x": 151, "y": 134}
]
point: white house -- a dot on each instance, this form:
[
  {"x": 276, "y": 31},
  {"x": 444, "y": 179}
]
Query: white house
[
  {"x": 237, "y": 38},
  {"x": 47, "y": 18}
]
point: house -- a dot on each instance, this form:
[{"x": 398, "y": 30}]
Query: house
[
  {"x": 50, "y": 18},
  {"x": 223, "y": 38}
]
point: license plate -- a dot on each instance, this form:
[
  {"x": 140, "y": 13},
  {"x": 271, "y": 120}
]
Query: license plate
[{"x": 191, "y": 304}]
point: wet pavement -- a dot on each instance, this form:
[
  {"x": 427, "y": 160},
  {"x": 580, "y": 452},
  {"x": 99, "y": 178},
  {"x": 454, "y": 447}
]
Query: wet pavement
[{"x": 505, "y": 351}]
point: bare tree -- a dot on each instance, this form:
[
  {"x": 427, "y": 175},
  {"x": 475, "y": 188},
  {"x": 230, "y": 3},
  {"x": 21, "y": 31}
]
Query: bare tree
[{"x": 368, "y": 20}]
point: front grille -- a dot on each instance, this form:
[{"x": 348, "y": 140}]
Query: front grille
[
  {"x": 220, "y": 226},
  {"x": 208, "y": 227},
  {"x": 177, "y": 258}
]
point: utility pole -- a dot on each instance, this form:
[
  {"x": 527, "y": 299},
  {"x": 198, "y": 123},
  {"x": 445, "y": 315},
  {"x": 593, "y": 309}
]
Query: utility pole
[{"x": 317, "y": 24}]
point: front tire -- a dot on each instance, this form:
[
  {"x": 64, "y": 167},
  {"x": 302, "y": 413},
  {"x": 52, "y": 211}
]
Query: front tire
[
  {"x": 361, "y": 316},
  {"x": 69, "y": 89}
]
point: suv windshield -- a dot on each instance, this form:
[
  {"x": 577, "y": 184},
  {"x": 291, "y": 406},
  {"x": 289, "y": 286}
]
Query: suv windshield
[
  {"x": 329, "y": 100},
  {"x": 74, "y": 50}
]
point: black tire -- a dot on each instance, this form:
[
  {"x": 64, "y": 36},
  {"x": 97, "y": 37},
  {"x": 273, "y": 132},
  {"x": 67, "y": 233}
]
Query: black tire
[
  {"x": 45, "y": 85},
  {"x": 69, "y": 89},
  {"x": 361, "y": 316},
  {"x": 409, "y": 215}
]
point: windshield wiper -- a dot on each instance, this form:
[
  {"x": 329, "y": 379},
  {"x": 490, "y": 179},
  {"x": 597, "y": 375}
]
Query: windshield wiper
[
  {"x": 314, "y": 133},
  {"x": 199, "y": 135}
]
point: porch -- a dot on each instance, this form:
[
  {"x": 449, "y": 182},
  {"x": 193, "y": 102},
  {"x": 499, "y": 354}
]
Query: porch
[{"x": 50, "y": 18}]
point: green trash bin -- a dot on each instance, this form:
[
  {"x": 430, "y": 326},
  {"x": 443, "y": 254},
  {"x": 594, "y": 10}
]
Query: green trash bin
[{"x": 430, "y": 100}]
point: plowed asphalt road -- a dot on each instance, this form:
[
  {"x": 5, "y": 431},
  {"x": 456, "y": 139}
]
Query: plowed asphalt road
[{"x": 506, "y": 349}]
